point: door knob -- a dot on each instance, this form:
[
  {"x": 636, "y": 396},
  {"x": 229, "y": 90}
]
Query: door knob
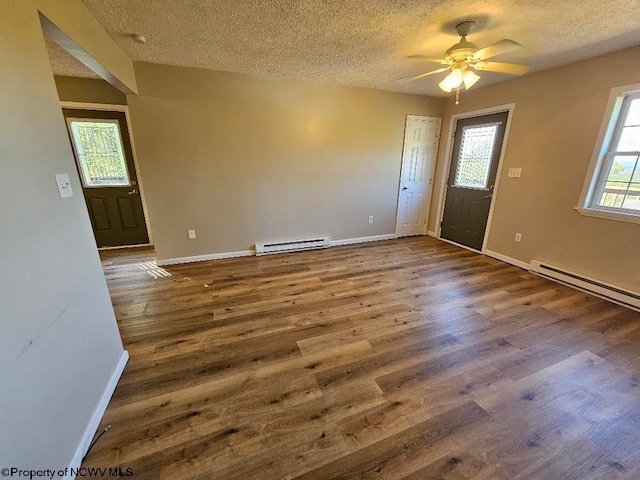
[
  {"x": 133, "y": 192},
  {"x": 488, "y": 196},
  {"x": 405, "y": 188}
]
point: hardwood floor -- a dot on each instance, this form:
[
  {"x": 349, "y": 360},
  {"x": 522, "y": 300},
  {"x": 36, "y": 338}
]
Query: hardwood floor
[{"x": 408, "y": 359}]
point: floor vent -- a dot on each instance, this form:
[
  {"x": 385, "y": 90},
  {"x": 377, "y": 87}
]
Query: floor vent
[
  {"x": 292, "y": 245},
  {"x": 609, "y": 292}
]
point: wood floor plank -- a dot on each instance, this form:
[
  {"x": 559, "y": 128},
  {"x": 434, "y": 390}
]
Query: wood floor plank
[
  {"x": 586, "y": 460},
  {"x": 620, "y": 436},
  {"x": 446, "y": 365},
  {"x": 457, "y": 465},
  {"x": 403, "y": 451}
]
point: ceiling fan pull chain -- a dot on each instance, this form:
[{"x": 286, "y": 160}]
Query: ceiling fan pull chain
[{"x": 457, "y": 95}]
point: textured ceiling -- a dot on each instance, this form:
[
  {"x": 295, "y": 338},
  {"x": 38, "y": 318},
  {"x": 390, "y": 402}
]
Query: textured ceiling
[
  {"x": 362, "y": 42},
  {"x": 65, "y": 64}
]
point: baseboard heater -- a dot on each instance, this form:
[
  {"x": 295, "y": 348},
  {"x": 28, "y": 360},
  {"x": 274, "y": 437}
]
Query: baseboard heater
[
  {"x": 292, "y": 245},
  {"x": 609, "y": 292}
]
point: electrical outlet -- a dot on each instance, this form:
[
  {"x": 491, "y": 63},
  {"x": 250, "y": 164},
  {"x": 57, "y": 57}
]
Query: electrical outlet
[
  {"x": 518, "y": 237},
  {"x": 371, "y": 219},
  {"x": 514, "y": 172},
  {"x": 192, "y": 234}
]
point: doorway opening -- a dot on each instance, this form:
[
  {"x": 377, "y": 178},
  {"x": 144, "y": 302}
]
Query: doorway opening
[{"x": 102, "y": 147}]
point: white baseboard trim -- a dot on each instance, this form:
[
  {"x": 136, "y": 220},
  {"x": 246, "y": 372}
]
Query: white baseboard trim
[
  {"x": 504, "y": 258},
  {"x": 375, "y": 238},
  {"x": 122, "y": 247},
  {"x": 98, "y": 413},
  {"x": 204, "y": 258},
  {"x": 613, "y": 293},
  {"x": 248, "y": 253},
  {"x": 432, "y": 234}
]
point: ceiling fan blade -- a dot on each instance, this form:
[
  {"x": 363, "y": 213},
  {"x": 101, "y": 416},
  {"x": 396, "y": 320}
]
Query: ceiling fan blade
[
  {"x": 410, "y": 79},
  {"x": 498, "y": 48},
  {"x": 428, "y": 59},
  {"x": 510, "y": 68}
]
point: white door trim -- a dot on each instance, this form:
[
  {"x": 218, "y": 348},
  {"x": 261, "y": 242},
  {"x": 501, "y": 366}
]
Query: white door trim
[
  {"x": 125, "y": 109},
  {"x": 510, "y": 107},
  {"x": 108, "y": 107},
  {"x": 433, "y": 167}
]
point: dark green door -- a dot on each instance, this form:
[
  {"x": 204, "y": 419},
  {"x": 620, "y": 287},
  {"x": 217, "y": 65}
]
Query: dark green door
[
  {"x": 102, "y": 148},
  {"x": 472, "y": 176}
]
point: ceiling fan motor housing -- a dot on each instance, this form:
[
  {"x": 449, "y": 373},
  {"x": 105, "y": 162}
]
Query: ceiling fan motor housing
[{"x": 463, "y": 51}]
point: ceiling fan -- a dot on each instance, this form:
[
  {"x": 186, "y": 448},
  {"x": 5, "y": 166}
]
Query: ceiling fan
[{"x": 465, "y": 58}]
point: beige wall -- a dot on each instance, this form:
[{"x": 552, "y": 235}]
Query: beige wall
[
  {"x": 553, "y": 133},
  {"x": 88, "y": 90},
  {"x": 244, "y": 160},
  {"x": 59, "y": 343}
]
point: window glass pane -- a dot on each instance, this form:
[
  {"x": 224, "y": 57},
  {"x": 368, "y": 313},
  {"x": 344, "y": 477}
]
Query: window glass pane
[
  {"x": 99, "y": 151},
  {"x": 632, "y": 200},
  {"x": 617, "y": 187},
  {"x": 633, "y": 117},
  {"x": 636, "y": 174},
  {"x": 622, "y": 185},
  {"x": 474, "y": 162},
  {"x": 622, "y": 168},
  {"x": 629, "y": 140},
  {"x": 612, "y": 196}
]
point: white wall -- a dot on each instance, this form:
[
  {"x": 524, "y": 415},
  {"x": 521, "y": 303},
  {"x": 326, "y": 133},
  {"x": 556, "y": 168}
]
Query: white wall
[{"x": 59, "y": 343}]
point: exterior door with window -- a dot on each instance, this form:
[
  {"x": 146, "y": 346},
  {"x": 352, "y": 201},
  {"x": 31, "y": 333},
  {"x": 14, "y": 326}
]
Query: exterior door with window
[
  {"x": 474, "y": 165},
  {"x": 102, "y": 148}
]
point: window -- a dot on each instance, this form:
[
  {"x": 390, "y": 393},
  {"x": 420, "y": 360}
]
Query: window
[
  {"x": 475, "y": 156},
  {"x": 613, "y": 187},
  {"x": 99, "y": 151}
]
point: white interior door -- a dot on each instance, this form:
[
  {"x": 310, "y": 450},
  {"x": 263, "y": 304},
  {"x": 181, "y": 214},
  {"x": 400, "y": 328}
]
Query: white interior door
[{"x": 416, "y": 178}]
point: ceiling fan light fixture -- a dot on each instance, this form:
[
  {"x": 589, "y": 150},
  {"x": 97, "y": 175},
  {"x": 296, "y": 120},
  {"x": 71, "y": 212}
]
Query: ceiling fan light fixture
[
  {"x": 453, "y": 80},
  {"x": 470, "y": 78},
  {"x": 444, "y": 87}
]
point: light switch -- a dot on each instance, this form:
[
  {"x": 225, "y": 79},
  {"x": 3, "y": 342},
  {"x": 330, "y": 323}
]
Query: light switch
[
  {"x": 515, "y": 172},
  {"x": 64, "y": 185}
]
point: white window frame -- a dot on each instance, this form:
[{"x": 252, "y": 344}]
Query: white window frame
[{"x": 599, "y": 162}]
